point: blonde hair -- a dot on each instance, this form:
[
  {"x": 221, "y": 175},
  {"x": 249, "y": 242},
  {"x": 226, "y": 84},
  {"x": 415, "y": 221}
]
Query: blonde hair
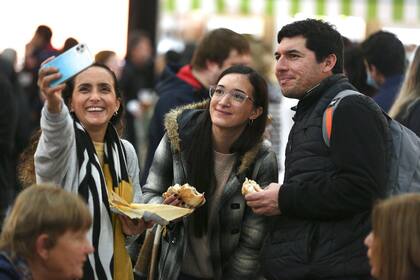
[
  {"x": 42, "y": 209},
  {"x": 410, "y": 89},
  {"x": 396, "y": 228}
]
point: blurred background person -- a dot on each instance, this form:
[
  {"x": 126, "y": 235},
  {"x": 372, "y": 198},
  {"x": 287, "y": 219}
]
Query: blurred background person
[
  {"x": 45, "y": 235},
  {"x": 14, "y": 127},
  {"x": 355, "y": 70},
  {"x": 68, "y": 44},
  {"x": 394, "y": 243},
  {"x": 262, "y": 62},
  {"x": 111, "y": 60},
  {"x": 37, "y": 50},
  {"x": 8, "y": 126},
  {"x": 385, "y": 65},
  {"x": 406, "y": 108},
  {"x": 137, "y": 83}
]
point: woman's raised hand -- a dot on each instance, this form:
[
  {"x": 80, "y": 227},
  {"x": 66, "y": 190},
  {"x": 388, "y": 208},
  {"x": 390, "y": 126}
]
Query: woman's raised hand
[{"x": 51, "y": 94}]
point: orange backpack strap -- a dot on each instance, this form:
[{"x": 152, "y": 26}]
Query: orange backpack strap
[{"x": 327, "y": 118}]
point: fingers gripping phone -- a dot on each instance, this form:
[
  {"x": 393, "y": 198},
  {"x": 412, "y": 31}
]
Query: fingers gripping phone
[{"x": 70, "y": 63}]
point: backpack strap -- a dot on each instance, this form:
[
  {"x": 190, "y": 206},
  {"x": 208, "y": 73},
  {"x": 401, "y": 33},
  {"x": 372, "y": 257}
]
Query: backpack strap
[{"x": 327, "y": 118}]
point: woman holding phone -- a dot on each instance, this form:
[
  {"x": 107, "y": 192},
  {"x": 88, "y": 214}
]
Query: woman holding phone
[{"x": 80, "y": 149}]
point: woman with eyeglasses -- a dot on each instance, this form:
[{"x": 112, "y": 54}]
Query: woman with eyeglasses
[{"x": 214, "y": 146}]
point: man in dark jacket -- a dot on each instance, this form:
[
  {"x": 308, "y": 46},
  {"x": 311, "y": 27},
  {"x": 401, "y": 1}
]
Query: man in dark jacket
[
  {"x": 321, "y": 212},
  {"x": 218, "y": 50}
]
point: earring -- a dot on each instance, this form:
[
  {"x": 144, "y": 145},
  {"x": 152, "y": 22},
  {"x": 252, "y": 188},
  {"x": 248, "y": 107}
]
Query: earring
[
  {"x": 250, "y": 122},
  {"x": 116, "y": 113}
]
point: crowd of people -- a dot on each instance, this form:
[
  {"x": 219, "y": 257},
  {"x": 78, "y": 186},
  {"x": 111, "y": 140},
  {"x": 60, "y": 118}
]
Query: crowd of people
[{"x": 328, "y": 218}]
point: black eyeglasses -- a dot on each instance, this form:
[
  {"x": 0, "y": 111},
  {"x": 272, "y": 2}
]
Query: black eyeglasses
[{"x": 237, "y": 96}]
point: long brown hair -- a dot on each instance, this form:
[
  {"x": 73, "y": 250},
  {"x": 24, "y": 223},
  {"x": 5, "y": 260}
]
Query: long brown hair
[
  {"x": 410, "y": 89},
  {"x": 396, "y": 228}
]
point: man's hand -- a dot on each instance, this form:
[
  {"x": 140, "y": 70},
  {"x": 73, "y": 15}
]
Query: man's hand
[{"x": 266, "y": 201}]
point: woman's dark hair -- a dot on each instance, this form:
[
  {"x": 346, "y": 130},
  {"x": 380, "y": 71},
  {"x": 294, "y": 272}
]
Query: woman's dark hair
[
  {"x": 117, "y": 119},
  {"x": 200, "y": 150}
]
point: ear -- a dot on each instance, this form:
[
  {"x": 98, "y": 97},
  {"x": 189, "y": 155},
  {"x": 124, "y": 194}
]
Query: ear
[
  {"x": 43, "y": 246},
  {"x": 256, "y": 112},
  {"x": 329, "y": 63}
]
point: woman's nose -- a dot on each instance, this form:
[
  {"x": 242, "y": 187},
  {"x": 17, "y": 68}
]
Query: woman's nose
[{"x": 225, "y": 99}]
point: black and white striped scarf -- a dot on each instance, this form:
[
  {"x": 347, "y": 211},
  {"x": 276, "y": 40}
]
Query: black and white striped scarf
[{"x": 92, "y": 188}]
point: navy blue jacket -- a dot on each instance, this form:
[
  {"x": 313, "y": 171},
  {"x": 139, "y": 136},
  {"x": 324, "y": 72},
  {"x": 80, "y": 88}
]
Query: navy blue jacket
[
  {"x": 9, "y": 270},
  {"x": 388, "y": 91},
  {"x": 173, "y": 92}
]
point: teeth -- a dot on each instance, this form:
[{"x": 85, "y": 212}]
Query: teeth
[{"x": 95, "y": 109}]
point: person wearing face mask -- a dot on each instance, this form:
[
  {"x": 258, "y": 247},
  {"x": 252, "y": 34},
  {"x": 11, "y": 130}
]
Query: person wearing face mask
[{"x": 385, "y": 65}]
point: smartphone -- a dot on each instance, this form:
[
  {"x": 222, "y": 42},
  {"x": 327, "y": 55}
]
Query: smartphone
[{"x": 71, "y": 62}]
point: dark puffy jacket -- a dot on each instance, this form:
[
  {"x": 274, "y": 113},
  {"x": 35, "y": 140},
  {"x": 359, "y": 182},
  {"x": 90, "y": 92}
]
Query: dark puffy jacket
[
  {"x": 327, "y": 194},
  {"x": 173, "y": 92}
]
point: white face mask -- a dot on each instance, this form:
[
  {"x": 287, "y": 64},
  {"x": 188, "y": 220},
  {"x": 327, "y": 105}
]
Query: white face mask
[{"x": 370, "y": 81}]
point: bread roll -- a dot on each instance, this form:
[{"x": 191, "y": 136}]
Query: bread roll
[
  {"x": 188, "y": 194},
  {"x": 250, "y": 186}
]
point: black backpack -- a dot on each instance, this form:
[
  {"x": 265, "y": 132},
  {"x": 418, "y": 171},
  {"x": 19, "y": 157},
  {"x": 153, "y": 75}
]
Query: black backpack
[{"x": 404, "y": 156}]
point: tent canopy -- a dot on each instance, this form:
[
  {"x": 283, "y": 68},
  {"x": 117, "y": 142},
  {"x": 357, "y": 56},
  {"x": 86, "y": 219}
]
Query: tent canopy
[{"x": 398, "y": 11}]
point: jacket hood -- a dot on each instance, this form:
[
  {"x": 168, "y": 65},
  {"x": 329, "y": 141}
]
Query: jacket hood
[{"x": 173, "y": 121}]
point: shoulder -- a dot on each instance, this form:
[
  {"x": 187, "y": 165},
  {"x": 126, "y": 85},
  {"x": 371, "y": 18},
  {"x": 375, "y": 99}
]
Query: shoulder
[
  {"x": 7, "y": 269},
  {"x": 359, "y": 112},
  {"x": 129, "y": 149}
]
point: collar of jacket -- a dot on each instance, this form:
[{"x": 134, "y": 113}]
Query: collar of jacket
[
  {"x": 314, "y": 94},
  {"x": 173, "y": 122}
]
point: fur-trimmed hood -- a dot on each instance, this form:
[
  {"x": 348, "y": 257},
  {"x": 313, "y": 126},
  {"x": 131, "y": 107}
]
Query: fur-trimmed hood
[{"x": 173, "y": 122}]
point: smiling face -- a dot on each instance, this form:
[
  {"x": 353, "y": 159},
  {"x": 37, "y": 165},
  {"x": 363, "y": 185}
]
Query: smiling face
[
  {"x": 94, "y": 100},
  {"x": 297, "y": 69},
  {"x": 225, "y": 113},
  {"x": 66, "y": 258},
  {"x": 372, "y": 253}
]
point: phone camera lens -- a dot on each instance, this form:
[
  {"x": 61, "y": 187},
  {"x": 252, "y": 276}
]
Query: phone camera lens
[{"x": 78, "y": 48}]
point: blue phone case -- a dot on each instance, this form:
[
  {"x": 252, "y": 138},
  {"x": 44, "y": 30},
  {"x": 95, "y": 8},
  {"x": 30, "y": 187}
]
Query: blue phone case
[{"x": 71, "y": 62}]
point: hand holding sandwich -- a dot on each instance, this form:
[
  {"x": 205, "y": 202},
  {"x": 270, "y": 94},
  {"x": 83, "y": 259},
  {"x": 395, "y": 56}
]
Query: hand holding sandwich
[{"x": 265, "y": 202}]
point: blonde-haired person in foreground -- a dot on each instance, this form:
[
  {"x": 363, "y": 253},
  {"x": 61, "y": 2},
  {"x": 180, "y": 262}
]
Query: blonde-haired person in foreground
[
  {"x": 394, "y": 243},
  {"x": 406, "y": 108},
  {"x": 45, "y": 236}
]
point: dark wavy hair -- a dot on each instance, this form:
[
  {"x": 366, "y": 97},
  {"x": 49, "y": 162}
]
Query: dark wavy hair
[
  {"x": 200, "y": 150},
  {"x": 321, "y": 38}
]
